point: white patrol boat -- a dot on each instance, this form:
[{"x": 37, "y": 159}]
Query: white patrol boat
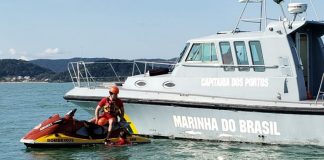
[{"x": 261, "y": 86}]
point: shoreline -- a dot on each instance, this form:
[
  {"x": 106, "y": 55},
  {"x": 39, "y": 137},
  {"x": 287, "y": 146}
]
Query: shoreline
[{"x": 24, "y": 82}]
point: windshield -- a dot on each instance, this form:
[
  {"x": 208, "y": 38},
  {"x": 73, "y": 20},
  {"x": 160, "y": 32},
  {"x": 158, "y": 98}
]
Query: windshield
[{"x": 182, "y": 53}]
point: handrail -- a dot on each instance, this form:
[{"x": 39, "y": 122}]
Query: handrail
[
  {"x": 319, "y": 90},
  {"x": 81, "y": 76},
  {"x": 222, "y": 65}
]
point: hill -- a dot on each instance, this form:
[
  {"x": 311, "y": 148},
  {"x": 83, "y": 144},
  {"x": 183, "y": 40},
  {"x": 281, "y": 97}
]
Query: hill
[
  {"x": 60, "y": 65},
  {"x": 20, "y": 70},
  {"x": 12, "y": 70}
]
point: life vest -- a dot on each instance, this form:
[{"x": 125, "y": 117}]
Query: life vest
[{"x": 111, "y": 107}]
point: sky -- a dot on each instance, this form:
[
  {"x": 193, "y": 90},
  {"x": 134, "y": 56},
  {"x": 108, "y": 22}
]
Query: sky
[{"x": 123, "y": 29}]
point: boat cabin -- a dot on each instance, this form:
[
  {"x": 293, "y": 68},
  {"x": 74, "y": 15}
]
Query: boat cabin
[{"x": 283, "y": 63}]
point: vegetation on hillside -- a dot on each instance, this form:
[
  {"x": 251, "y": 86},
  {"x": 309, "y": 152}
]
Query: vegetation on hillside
[{"x": 19, "y": 70}]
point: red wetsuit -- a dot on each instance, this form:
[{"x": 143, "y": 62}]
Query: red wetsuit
[
  {"x": 110, "y": 107},
  {"x": 122, "y": 141}
]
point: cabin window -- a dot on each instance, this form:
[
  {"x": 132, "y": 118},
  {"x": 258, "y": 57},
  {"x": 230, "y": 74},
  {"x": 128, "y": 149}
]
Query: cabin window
[
  {"x": 213, "y": 53},
  {"x": 205, "y": 52},
  {"x": 227, "y": 58},
  {"x": 257, "y": 56},
  {"x": 241, "y": 55},
  {"x": 195, "y": 53},
  {"x": 183, "y": 52},
  {"x": 209, "y": 52}
]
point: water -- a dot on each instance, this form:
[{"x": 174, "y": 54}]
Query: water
[{"x": 25, "y": 105}]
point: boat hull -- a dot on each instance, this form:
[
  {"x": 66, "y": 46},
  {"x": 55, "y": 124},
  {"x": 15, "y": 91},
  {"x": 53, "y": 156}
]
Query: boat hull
[{"x": 198, "y": 122}]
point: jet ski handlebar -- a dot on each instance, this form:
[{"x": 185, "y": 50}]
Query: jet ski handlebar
[{"x": 71, "y": 113}]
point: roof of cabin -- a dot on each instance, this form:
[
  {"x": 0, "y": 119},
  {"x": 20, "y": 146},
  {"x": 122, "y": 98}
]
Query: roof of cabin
[{"x": 274, "y": 26}]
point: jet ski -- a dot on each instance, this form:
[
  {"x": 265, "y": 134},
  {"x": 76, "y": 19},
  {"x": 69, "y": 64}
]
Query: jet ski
[{"x": 66, "y": 131}]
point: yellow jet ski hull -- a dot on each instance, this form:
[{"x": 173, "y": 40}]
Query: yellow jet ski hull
[{"x": 61, "y": 140}]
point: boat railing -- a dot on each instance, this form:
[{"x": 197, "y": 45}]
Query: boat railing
[
  {"x": 320, "y": 91},
  {"x": 294, "y": 9},
  {"x": 100, "y": 74}
]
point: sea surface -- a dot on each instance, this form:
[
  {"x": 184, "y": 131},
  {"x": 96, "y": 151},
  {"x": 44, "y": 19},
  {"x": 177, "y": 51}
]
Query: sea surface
[{"x": 24, "y": 105}]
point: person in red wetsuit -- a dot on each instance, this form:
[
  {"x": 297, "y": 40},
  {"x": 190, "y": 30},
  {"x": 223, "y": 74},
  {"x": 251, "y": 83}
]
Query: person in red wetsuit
[
  {"x": 122, "y": 140},
  {"x": 112, "y": 107}
]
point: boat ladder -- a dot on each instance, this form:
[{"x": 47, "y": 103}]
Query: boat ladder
[{"x": 320, "y": 92}]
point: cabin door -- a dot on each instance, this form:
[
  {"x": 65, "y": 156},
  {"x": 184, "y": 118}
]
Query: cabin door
[{"x": 303, "y": 52}]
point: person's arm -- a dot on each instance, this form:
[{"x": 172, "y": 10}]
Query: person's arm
[{"x": 122, "y": 112}]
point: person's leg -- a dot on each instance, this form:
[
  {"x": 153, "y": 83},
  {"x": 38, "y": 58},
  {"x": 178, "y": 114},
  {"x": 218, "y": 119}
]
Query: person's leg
[
  {"x": 111, "y": 121},
  {"x": 93, "y": 120}
]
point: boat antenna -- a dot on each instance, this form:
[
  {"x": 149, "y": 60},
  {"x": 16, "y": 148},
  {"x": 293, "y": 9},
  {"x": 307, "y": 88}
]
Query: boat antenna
[
  {"x": 311, "y": 2},
  {"x": 280, "y": 4},
  {"x": 295, "y": 9},
  {"x": 263, "y": 3},
  {"x": 314, "y": 9}
]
